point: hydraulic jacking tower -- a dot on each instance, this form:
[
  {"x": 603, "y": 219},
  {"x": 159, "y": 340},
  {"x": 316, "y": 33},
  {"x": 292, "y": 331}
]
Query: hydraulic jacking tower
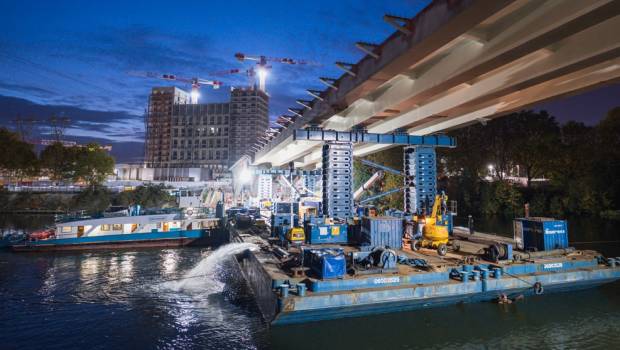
[{"x": 420, "y": 175}]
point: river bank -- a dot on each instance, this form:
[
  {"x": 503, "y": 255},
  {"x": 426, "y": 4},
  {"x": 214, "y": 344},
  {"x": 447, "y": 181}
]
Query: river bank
[{"x": 91, "y": 200}]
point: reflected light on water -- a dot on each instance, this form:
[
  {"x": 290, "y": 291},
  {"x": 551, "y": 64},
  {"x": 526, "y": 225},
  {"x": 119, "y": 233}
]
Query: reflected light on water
[
  {"x": 127, "y": 267},
  {"x": 89, "y": 268},
  {"x": 169, "y": 261}
]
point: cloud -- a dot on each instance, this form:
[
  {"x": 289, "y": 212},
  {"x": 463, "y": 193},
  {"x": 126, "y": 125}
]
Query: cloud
[
  {"x": 143, "y": 47},
  {"x": 109, "y": 125},
  {"x": 27, "y": 89}
]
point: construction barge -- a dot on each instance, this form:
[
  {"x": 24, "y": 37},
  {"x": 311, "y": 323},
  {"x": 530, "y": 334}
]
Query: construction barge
[
  {"x": 331, "y": 255},
  {"x": 288, "y": 290}
]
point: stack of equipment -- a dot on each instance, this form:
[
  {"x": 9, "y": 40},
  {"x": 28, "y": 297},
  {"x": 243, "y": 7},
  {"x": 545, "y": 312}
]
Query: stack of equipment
[
  {"x": 337, "y": 181},
  {"x": 378, "y": 260},
  {"x": 325, "y": 262}
]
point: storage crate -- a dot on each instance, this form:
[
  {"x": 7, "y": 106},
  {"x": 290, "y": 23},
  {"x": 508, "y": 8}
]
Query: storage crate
[
  {"x": 381, "y": 231},
  {"x": 540, "y": 234},
  {"x": 326, "y": 262},
  {"x": 320, "y": 233}
]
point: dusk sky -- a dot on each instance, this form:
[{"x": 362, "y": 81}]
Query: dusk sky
[{"x": 74, "y": 56}]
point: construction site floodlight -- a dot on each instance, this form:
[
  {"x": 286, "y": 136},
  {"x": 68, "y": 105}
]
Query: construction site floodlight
[
  {"x": 245, "y": 177},
  {"x": 195, "y": 95},
  {"x": 262, "y": 77}
]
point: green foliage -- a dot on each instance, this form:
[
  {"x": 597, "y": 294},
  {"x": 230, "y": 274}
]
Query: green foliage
[
  {"x": 392, "y": 158},
  {"x": 607, "y": 167},
  {"x": 94, "y": 200},
  {"x": 17, "y": 158},
  {"x": 611, "y": 214},
  {"x": 92, "y": 164},
  {"x": 582, "y": 164},
  {"x": 59, "y": 161},
  {"x": 148, "y": 196},
  {"x": 536, "y": 143}
]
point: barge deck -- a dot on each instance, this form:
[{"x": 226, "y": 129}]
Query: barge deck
[{"x": 286, "y": 294}]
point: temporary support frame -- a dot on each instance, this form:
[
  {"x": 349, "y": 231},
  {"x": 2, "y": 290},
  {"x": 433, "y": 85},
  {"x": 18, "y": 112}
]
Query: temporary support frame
[
  {"x": 419, "y": 167},
  {"x": 313, "y": 134}
]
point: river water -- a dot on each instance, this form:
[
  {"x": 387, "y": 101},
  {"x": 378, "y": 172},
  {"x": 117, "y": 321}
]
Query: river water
[{"x": 191, "y": 298}]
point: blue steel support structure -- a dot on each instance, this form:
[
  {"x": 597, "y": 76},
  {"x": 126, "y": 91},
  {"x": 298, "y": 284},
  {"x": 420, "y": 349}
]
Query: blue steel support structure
[
  {"x": 309, "y": 177},
  {"x": 381, "y": 167},
  {"x": 313, "y": 134},
  {"x": 337, "y": 180},
  {"x": 419, "y": 166},
  {"x": 310, "y": 182},
  {"x": 379, "y": 195},
  {"x": 420, "y": 178}
]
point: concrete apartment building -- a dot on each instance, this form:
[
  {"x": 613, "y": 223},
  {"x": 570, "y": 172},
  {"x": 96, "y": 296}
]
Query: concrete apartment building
[
  {"x": 211, "y": 137},
  {"x": 158, "y": 124},
  {"x": 249, "y": 111}
]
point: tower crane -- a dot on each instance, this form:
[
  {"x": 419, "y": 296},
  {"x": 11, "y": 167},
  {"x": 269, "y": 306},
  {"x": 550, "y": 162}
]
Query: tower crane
[
  {"x": 195, "y": 82},
  {"x": 262, "y": 63},
  {"x": 251, "y": 72}
]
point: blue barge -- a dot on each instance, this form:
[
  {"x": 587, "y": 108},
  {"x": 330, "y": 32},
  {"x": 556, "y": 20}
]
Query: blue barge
[{"x": 287, "y": 296}]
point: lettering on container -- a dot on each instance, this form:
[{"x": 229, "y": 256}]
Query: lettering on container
[
  {"x": 386, "y": 280},
  {"x": 553, "y": 266}
]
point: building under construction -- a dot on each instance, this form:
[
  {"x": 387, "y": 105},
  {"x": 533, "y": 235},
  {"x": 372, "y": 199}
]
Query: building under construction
[{"x": 209, "y": 136}]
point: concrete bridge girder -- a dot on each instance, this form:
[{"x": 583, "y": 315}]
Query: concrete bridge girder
[{"x": 471, "y": 78}]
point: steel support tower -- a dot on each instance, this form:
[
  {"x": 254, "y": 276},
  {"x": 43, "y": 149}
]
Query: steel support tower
[
  {"x": 310, "y": 182},
  {"x": 337, "y": 157},
  {"x": 337, "y": 180},
  {"x": 420, "y": 170}
]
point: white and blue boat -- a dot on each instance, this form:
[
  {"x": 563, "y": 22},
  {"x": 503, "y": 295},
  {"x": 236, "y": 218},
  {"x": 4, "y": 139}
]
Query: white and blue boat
[{"x": 163, "y": 229}]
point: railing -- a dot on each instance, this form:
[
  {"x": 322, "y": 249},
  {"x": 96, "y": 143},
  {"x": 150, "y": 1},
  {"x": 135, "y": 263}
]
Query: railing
[{"x": 47, "y": 189}]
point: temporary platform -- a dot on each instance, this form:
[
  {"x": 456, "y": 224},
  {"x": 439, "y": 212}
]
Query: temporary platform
[{"x": 286, "y": 292}]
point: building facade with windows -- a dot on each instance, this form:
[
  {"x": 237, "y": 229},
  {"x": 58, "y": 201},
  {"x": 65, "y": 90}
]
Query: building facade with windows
[
  {"x": 158, "y": 124},
  {"x": 201, "y": 136},
  {"x": 212, "y": 135},
  {"x": 249, "y": 119}
]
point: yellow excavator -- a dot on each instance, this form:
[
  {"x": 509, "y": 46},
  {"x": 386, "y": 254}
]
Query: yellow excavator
[{"x": 435, "y": 228}]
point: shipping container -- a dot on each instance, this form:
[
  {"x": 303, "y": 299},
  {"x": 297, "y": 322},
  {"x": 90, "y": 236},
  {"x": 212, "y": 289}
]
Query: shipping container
[
  {"x": 320, "y": 233},
  {"x": 326, "y": 262},
  {"x": 381, "y": 231},
  {"x": 540, "y": 234}
]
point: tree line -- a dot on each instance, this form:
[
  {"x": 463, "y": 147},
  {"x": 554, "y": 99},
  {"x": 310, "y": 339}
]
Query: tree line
[
  {"x": 579, "y": 166},
  {"x": 89, "y": 164}
]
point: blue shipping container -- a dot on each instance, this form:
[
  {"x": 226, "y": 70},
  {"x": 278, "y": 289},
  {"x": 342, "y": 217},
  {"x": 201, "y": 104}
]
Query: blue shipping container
[
  {"x": 326, "y": 233},
  {"x": 327, "y": 262},
  {"x": 541, "y": 234},
  {"x": 381, "y": 231}
]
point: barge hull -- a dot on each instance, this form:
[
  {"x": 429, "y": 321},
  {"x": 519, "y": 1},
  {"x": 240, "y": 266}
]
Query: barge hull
[
  {"x": 295, "y": 317},
  {"x": 355, "y": 302},
  {"x": 126, "y": 241}
]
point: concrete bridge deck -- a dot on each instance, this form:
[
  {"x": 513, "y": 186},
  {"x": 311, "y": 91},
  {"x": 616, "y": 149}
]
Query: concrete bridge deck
[{"x": 460, "y": 62}]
